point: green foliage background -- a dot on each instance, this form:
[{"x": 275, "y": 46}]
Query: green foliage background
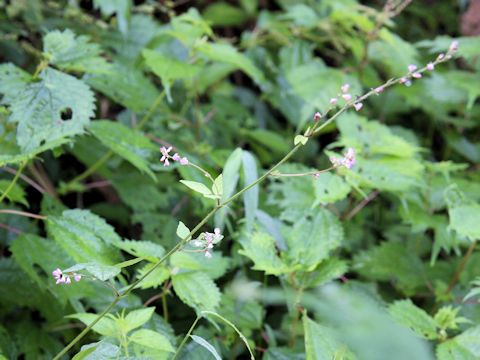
[{"x": 375, "y": 262}]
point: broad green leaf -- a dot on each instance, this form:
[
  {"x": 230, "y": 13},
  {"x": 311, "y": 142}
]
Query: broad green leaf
[
  {"x": 330, "y": 188},
  {"x": 127, "y": 86},
  {"x": 198, "y": 187},
  {"x": 228, "y": 54},
  {"x": 151, "y": 339},
  {"x": 73, "y": 53},
  {"x": 16, "y": 194},
  {"x": 214, "y": 267},
  {"x": 105, "y": 326},
  {"x": 310, "y": 240},
  {"x": 137, "y": 318},
  {"x": 16, "y": 155},
  {"x": 84, "y": 236},
  {"x": 125, "y": 142},
  {"x": 156, "y": 278},
  {"x": 410, "y": 315},
  {"x": 97, "y": 351},
  {"x": 168, "y": 69},
  {"x": 464, "y": 220},
  {"x": 204, "y": 343},
  {"x": 465, "y": 346},
  {"x": 121, "y": 8},
  {"x": 320, "y": 341},
  {"x": 224, "y": 14},
  {"x": 260, "y": 248},
  {"x": 55, "y": 107},
  {"x": 100, "y": 271},
  {"x": 182, "y": 230},
  {"x": 328, "y": 270},
  {"x": 250, "y": 197},
  {"x": 142, "y": 248},
  {"x": 196, "y": 290}
]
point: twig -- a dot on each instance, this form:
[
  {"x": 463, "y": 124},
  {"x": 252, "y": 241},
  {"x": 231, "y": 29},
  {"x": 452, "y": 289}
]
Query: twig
[
  {"x": 23, "y": 213},
  {"x": 26, "y": 179},
  {"x": 362, "y": 204},
  {"x": 460, "y": 268}
]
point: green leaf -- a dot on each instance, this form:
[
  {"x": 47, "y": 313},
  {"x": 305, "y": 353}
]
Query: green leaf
[
  {"x": 464, "y": 220},
  {"x": 38, "y": 108},
  {"x": 142, "y": 249},
  {"x": 105, "y": 326},
  {"x": 326, "y": 271},
  {"x": 310, "y": 241},
  {"x": 168, "y": 69},
  {"x": 217, "y": 187},
  {"x": 204, "y": 343},
  {"x": 137, "y": 318},
  {"x": 16, "y": 193},
  {"x": 410, "y": 315},
  {"x": 18, "y": 156},
  {"x": 122, "y": 8},
  {"x": 320, "y": 342},
  {"x": 97, "y": 351},
  {"x": 73, "y": 53},
  {"x": 182, "y": 230},
  {"x": 300, "y": 139},
  {"x": 151, "y": 339},
  {"x": 196, "y": 290},
  {"x": 100, "y": 271},
  {"x": 465, "y": 346},
  {"x": 125, "y": 142},
  {"x": 84, "y": 236},
  {"x": 260, "y": 248},
  {"x": 228, "y": 54},
  {"x": 330, "y": 188},
  {"x": 250, "y": 197},
  {"x": 214, "y": 267},
  {"x": 198, "y": 187},
  {"x": 223, "y": 14}
]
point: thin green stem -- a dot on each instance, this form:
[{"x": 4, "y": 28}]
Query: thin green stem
[
  {"x": 275, "y": 174},
  {"x": 150, "y": 111},
  {"x": 14, "y": 181},
  {"x": 182, "y": 344},
  {"x": 460, "y": 268}
]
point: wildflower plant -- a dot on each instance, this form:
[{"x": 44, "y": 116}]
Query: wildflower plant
[{"x": 278, "y": 222}]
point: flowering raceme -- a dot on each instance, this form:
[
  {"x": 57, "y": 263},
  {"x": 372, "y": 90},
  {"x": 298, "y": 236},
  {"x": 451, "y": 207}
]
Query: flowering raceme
[
  {"x": 64, "y": 278},
  {"x": 348, "y": 160},
  {"x": 207, "y": 241},
  {"x": 166, "y": 157}
]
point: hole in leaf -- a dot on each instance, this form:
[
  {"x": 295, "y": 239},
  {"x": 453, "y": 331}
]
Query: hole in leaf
[
  {"x": 42, "y": 142},
  {"x": 66, "y": 114}
]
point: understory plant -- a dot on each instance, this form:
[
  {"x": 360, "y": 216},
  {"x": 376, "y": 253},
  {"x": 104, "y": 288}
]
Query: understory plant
[{"x": 285, "y": 180}]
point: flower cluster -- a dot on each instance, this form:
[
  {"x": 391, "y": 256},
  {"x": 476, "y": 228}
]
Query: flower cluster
[
  {"x": 166, "y": 157},
  {"x": 65, "y": 278},
  {"x": 207, "y": 241},
  {"x": 348, "y": 159},
  {"x": 347, "y": 97}
]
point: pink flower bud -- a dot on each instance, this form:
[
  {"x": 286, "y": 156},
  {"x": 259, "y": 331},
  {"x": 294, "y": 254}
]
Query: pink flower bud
[
  {"x": 379, "y": 90},
  {"x": 440, "y": 56},
  {"x": 345, "y": 88},
  {"x": 317, "y": 116},
  {"x": 358, "y": 106},
  {"x": 430, "y": 66},
  {"x": 77, "y": 277},
  {"x": 347, "y": 97},
  {"x": 184, "y": 161},
  {"x": 453, "y": 46},
  {"x": 412, "y": 68},
  {"x": 333, "y": 101},
  {"x": 417, "y": 75}
]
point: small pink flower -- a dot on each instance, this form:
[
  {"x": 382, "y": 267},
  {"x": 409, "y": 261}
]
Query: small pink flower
[
  {"x": 349, "y": 158},
  {"x": 333, "y": 101},
  {"x": 347, "y": 97},
  {"x": 440, "y": 56},
  {"x": 417, "y": 75},
  {"x": 77, "y": 277},
  {"x": 184, "y": 161},
  {"x": 67, "y": 280},
  {"x": 412, "y": 68},
  {"x": 165, "y": 155},
  {"x": 379, "y": 90},
  {"x": 176, "y": 157},
  {"x": 453, "y": 46},
  {"x": 430, "y": 66},
  {"x": 317, "y": 116},
  {"x": 208, "y": 254},
  {"x": 345, "y": 88},
  {"x": 57, "y": 273},
  {"x": 358, "y": 106}
]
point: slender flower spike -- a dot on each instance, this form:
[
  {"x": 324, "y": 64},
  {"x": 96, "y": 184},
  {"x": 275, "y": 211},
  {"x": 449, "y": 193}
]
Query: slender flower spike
[
  {"x": 207, "y": 240},
  {"x": 62, "y": 278},
  {"x": 358, "y": 106},
  {"x": 347, "y": 97},
  {"x": 430, "y": 66},
  {"x": 166, "y": 157},
  {"x": 348, "y": 160},
  {"x": 345, "y": 88}
]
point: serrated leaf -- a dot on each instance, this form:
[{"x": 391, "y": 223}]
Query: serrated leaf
[
  {"x": 196, "y": 290},
  {"x": 18, "y": 156},
  {"x": 465, "y": 346},
  {"x": 151, "y": 339},
  {"x": 214, "y": 267},
  {"x": 168, "y": 69},
  {"x": 73, "y": 53},
  {"x": 198, "y": 187},
  {"x": 260, "y": 248},
  {"x": 84, "y": 236},
  {"x": 97, "y": 351},
  {"x": 100, "y": 271},
  {"x": 156, "y": 278},
  {"x": 464, "y": 220},
  {"x": 204, "y": 343},
  {"x": 310, "y": 241},
  {"x": 326, "y": 271},
  {"x": 137, "y": 318},
  {"x": 15, "y": 194},
  {"x": 125, "y": 142},
  {"x": 410, "y": 315},
  {"x": 330, "y": 188},
  {"x": 105, "y": 326},
  {"x": 38, "y": 108},
  {"x": 142, "y": 249}
]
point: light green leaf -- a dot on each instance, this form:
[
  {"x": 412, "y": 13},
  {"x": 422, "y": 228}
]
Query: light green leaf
[
  {"x": 122, "y": 9},
  {"x": 137, "y": 318},
  {"x": 465, "y": 346},
  {"x": 198, "y": 187},
  {"x": 204, "y": 343},
  {"x": 97, "y": 351},
  {"x": 224, "y": 14},
  {"x": 156, "y": 278},
  {"x": 100, "y": 271},
  {"x": 260, "y": 248},
  {"x": 84, "y": 236},
  {"x": 196, "y": 290},
  {"x": 105, "y": 326},
  {"x": 73, "y": 53},
  {"x": 310, "y": 240},
  {"x": 142, "y": 249},
  {"x": 18, "y": 156},
  {"x": 300, "y": 139},
  {"x": 15, "y": 194},
  {"x": 464, "y": 220},
  {"x": 182, "y": 230},
  {"x": 125, "y": 142},
  {"x": 215, "y": 267},
  {"x": 151, "y": 339},
  {"x": 410, "y": 315},
  {"x": 56, "y": 107},
  {"x": 217, "y": 187},
  {"x": 330, "y": 188}
]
